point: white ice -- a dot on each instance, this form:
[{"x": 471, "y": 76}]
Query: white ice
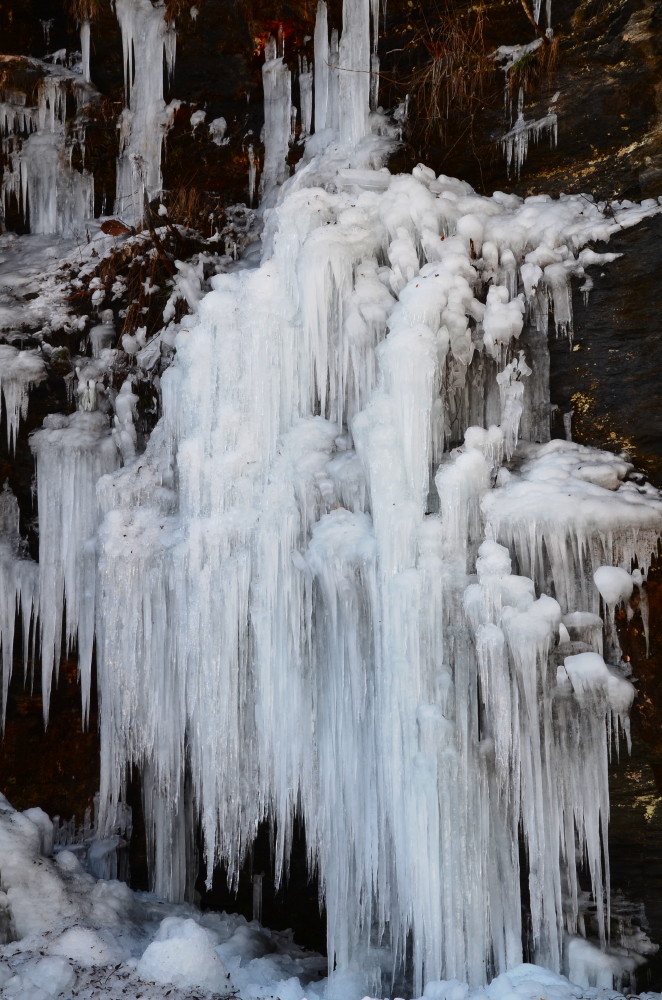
[
  {"x": 19, "y": 372},
  {"x": 38, "y": 148},
  {"x": 147, "y": 41}
]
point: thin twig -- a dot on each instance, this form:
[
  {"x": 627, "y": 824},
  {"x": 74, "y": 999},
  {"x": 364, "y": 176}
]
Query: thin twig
[{"x": 531, "y": 18}]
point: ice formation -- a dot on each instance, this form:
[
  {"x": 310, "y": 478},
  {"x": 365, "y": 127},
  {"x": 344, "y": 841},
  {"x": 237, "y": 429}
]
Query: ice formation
[
  {"x": 85, "y": 39},
  {"x": 285, "y": 548},
  {"x": 18, "y": 589},
  {"x": 19, "y": 372},
  {"x": 351, "y": 579},
  {"x": 516, "y": 141},
  {"x": 39, "y": 178},
  {"x": 147, "y": 40},
  {"x": 72, "y": 453},
  {"x": 277, "y": 84}
]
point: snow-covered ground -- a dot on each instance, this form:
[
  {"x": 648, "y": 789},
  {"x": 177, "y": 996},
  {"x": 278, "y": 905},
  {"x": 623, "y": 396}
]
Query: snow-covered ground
[{"x": 67, "y": 934}]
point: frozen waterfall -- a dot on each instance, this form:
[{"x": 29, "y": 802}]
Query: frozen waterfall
[
  {"x": 336, "y": 585},
  {"x": 351, "y": 579}
]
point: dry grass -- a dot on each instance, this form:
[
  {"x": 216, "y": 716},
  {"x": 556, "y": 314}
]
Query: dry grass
[
  {"x": 535, "y": 69},
  {"x": 84, "y": 10},
  {"x": 88, "y": 10},
  {"x": 453, "y": 77}
]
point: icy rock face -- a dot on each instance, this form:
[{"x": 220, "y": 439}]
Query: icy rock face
[
  {"x": 147, "y": 40},
  {"x": 38, "y": 147}
]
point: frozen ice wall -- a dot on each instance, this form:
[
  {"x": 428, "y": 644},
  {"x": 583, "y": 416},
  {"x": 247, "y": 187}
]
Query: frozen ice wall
[
  {"x": 147, "y": 41},
  {"x": 39, "y": 177},
  {"x": 337, "y": 534}
]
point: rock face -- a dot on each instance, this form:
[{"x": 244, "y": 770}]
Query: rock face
[{"x": 604, "y": 63}]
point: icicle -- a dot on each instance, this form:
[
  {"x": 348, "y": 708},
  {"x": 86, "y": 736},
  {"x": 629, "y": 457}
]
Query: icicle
[
  {"x": 103, "y": 335},
  {"x": 252, "y": 171},
  {"x": 306, "y": 92},
  {"x": 38, "y": 149},
  {"x": 85, "y": 30},
  {"x": 18, "y": 591},
  {"x": 374, "y": 81},
  {"x": 20, "y": 371},
  {"x": 322, "y": 70},
  {"x": 71, "y": 454},
  {"x": 515, "y": 142}
]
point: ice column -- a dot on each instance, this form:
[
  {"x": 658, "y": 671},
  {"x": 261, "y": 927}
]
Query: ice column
[
  {"x": 277, "y": 83},
  {"x": 321, "y": 66},
  {"x": 354, "y": 64},
  {"x": 146, "y": 40},
  {"x": 306, "y": 95},
  {"x": 18, "y": 589},
  {"x": 85, "y": 31}
]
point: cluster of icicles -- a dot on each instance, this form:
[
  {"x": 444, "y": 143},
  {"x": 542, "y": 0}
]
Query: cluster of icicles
[
  {"x": 39, "y": 180},
  {"x": 351, "y": 577}
]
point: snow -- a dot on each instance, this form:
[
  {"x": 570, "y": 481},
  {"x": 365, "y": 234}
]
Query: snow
[
  {"x": 615, "y": 584},
  {"x": 183, "y": 953},
  {"x": 67, "y": 934},
  {"x": 217, "y": 129}
]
